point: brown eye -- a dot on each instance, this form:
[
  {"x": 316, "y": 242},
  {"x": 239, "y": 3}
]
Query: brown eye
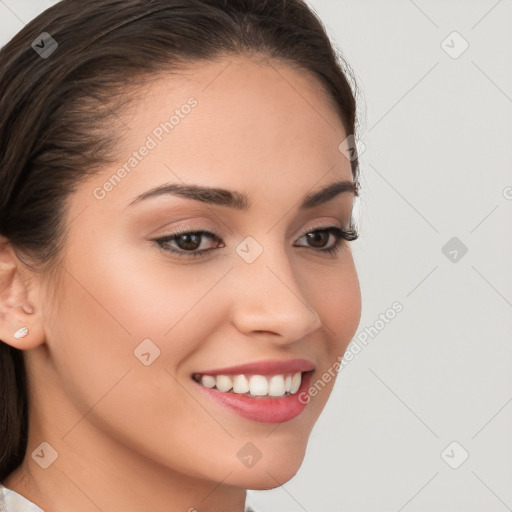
[
  {"x": 187, "y": 243},
  {"x": 318, "y": 239}
]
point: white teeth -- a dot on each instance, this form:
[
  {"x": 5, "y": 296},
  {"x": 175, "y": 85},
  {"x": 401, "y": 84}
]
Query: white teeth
[
  {"x": 276, "y": 386},
  {"x": 240, "y": 384},
  {"x": 224, "y": 383},
  {"x": 208, "y": 381},
  {"x": 254, "y": 385},
  {"x": 258, "y": 385},
  {"x": 295, "y": 383}
]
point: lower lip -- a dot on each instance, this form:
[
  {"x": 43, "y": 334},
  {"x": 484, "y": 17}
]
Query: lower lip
[{"x": 264, "y": 409}]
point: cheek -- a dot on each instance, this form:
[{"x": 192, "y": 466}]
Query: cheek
[
  {"x": 338, "y": 302},
  {"x": 115, "y": 300},
  {"x": 115, "y": 307}
]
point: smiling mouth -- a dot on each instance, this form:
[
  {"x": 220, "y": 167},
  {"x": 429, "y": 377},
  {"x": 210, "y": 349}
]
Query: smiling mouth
[{"x": 253, "y": 385}]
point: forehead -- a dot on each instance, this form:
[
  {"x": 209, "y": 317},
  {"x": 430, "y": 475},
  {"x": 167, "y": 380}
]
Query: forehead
[
  {"x": 236, "y": 123},
  {"x": 237, "y": 80}
]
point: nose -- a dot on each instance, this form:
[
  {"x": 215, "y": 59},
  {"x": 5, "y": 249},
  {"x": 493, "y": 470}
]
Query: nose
[{"x": 269, "y": 297}]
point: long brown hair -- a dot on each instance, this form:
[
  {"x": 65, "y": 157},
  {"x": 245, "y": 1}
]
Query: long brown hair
[{"x": 57, "y": 111}]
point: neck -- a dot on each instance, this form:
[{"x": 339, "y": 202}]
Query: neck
[{"x": 79, "y": 479}]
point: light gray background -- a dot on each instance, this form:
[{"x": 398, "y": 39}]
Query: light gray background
[{"x": 437, "y": 132}]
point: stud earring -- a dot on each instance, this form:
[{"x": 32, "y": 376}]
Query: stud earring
[{"x": 21, "y": 333}]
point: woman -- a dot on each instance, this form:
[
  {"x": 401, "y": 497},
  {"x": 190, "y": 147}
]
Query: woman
[{"x": 176, "y": 188}]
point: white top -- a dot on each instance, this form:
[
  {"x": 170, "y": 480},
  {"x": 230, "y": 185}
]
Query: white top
[{"x": 11, "y": 501}]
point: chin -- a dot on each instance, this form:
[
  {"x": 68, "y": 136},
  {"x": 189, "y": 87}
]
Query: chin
[
  {"x": 266, "y": 482},
  {"x": 269, "y": 474}
]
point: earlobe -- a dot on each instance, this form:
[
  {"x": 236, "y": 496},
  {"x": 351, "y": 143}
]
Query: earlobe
[
  {"x": 20, "y": 324},
  {"x": 21, "y": 336}
]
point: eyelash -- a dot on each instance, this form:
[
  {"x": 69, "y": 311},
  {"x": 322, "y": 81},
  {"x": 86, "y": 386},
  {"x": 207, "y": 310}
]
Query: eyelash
[{"x": 340, "y": 235}]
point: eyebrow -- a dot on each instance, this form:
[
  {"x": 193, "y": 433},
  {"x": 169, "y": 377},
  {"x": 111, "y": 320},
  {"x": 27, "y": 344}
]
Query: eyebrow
[{"x": 239, "y": 201}]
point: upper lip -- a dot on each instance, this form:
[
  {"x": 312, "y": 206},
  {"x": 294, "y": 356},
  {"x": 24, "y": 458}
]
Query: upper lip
[{"x": 267, "y": 367}]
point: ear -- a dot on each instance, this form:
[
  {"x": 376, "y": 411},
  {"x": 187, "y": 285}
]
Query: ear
[{"x": 17, "y": 309}]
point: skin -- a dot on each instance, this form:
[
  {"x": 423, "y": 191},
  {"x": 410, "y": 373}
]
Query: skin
[{"x": 135, "y": 437}]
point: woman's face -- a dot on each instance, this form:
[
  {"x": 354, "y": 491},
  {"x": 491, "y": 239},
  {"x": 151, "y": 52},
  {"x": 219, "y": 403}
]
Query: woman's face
[{"x": 135, "y": 324}]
